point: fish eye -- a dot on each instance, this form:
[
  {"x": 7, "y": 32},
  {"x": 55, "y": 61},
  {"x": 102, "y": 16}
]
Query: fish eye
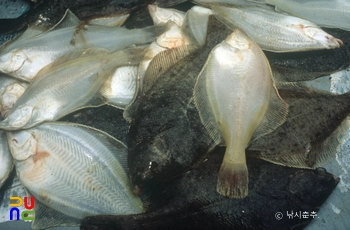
[{"x": 153, "y": 165}]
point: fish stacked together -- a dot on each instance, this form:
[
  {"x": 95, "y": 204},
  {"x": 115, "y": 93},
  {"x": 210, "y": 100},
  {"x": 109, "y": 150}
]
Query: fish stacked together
[{"x": 187, "y": 84}]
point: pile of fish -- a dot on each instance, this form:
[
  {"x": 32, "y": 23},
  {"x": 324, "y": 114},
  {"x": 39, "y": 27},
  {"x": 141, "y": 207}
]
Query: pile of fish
[{"x": 231, "y": 73}]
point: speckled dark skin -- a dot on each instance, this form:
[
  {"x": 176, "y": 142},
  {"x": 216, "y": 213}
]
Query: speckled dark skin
[
  {"x": 304, "y": 66},
  {"x": 166, "y": 136},
  {"x": 312, "y": 118},
  {"x": 191, "y": 202}
]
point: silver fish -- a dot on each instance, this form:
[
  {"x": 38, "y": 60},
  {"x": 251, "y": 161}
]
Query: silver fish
[
  {"x": 237, "y": 102},
  {"x": 73, "y": 169},
  {"x": 275, "y": 31},
  {"x": 70, "y": 83},
  {"x": 24, "y": 57}
]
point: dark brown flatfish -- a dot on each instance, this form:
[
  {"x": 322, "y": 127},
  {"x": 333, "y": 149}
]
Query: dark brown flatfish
[{"x": 192, "y": 202}]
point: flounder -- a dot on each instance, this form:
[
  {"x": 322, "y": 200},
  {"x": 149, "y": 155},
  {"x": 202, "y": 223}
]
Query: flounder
[
  {"x": 70, "y": 83},
  {"x": 72, "y": 171},
  {"x": 237, "y": 102}
]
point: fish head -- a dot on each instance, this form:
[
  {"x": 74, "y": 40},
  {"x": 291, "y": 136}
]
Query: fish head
[
  {"x": 12, "y": 61},
  {"x": 151, "y": 162},
  {"x": 22, "y": 144},
  {"x": 9, "y": 97},
  {"x": 321, "y": 37},
  {"x": 18, "y": 118},
  {"x": 238, "y": 40}
]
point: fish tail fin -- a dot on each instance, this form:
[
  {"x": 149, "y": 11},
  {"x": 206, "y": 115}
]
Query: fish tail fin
[{"x": 233, "y": 180}]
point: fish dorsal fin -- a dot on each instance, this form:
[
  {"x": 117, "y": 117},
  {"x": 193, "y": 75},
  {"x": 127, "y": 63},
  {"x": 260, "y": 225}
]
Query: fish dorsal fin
[
  {"x": 276, "y": 114},
  {"x": 201, "y": 99},
  {"x": 73, "y": 56},
  {"x": 157, "y": 67},
  {"x": 162, "y": 62},
  {"x": 47, "y": 217},
  {"x": 113, "y": 20},
  {"x": 68, "y": 20}
]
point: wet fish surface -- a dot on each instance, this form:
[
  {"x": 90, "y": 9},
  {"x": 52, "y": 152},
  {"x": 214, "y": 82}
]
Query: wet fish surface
[
  {"x": 274, "y": 31},
  {"x": 333, "y": 14},
  {"x": 192, "y": 202},
  {"x": 237, "y": 102},
  {"x": 24, "y": 57},
  {"x": 74, "y": 170},
  {"x": 166, "y": 136},
  {"x": 78, "y": 75}
]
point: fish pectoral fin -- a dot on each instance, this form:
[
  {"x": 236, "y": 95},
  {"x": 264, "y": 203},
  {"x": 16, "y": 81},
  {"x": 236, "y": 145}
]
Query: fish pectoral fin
[
  {"x": 203, "y": 105},
  {"x": 233, "y": 180},
  {"x": 46, "y": 217},
  {"x": 276, "y": 114},
  {"x": 162, "y": 62}
]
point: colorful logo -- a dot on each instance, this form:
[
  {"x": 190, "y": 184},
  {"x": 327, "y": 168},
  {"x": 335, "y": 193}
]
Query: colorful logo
[{"x": 28, "y": 214}]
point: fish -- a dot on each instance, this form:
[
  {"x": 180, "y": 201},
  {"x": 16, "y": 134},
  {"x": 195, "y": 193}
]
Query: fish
[
  {"x": 10, "y": 90},
  {"x": 333, "y": 14},
  {"x": 70, "y": 83},
  {"x": 316, "y": 126},
  {"x": 6, "y": 159},
  {"x": 166, "y": 137},
  {"x": 24, "y": 57},
  {"x": 290, "y": 34},
  {"x": 11, "y": 187},
  {"x": 163, "y": 15},
  {"x": 119, "y": 89},
  {"x": 45, "y": 14},
  {"x": 190, "y": 34},
  {"x": 73, "y": 171},
  {"x": 191, "y": 202},
  {"x": 237, "y": 103}
]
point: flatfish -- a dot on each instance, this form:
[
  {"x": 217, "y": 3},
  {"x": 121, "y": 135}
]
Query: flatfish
[
  {"x": 191, "y": 202},
  {"x": 166, "y": 136},
  {"x": 72, "y": 171},
  {"x": 70, "y": 83},
  {"x": 238, "y": 102}
]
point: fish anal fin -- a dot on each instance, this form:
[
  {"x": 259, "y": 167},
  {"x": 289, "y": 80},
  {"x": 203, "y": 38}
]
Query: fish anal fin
[
  {"x": 46, "y": 217},
  {"x": 233, "y": 180},
  {"x": 162, "y": 62},
  {"x": 203, "y": 105},
  {"x": 276, "y": 114}
]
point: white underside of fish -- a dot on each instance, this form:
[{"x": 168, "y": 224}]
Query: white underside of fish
[
  {"x": 70, "y": 83},
  {"x": 275, "y": 31},
  {"x": 334, "y": 14},
  {"x": 233, "y": 93},
  {"x": 24, "y": 58},
  {"x": 74, "y": 169}
]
